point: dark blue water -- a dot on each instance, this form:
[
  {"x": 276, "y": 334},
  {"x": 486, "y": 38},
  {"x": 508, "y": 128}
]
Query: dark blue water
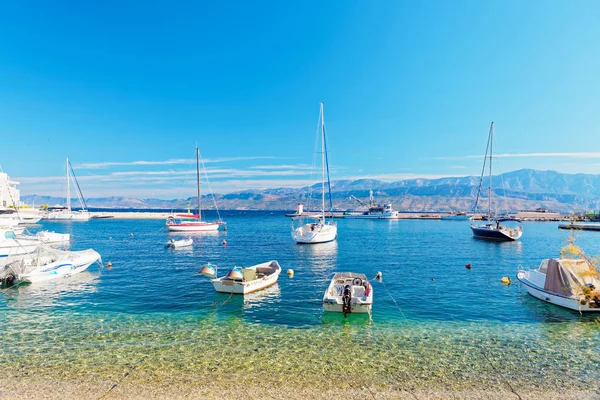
[{"x": 431, "y": 293}]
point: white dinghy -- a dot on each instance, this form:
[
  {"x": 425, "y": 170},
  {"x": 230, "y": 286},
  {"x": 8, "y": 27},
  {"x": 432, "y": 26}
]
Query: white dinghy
[
  {"x": 47, "y": 263},
  {"x": 571, "y": 282},
  {"x": 244, "y": 280},
  {"x": 175, "y": 244},
  {"x": 348, "y": 293}
]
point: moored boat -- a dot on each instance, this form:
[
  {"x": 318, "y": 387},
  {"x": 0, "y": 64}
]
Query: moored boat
[
  {"x": 571, "y": 281},
  {"x": 66, "y": 213},
  {"x": 493, "y": 228},
  {"x": 455, "y": 216},
  {"x": 348, "y": 292},
  {"x": 318, "y": 229},
  {"x": 175, "y": 244},
  {"x": 375, "y": 210},
  {"x": 193, "y": 222},
  {"x": 244, "y": 280},
  {"x": 46, "y": 263},
  {"x": 13, "y": 245}
]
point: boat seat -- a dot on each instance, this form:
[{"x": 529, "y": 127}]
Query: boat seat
[{"x": 249, "y": 274}]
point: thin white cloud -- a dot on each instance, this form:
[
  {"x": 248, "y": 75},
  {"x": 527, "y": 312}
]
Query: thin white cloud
[
  {"x": 399, "y": 176},
  {"x": 296, "y": 167},
  {"x": 527, "y": 155},
  {"x": 176, "y": 161}
]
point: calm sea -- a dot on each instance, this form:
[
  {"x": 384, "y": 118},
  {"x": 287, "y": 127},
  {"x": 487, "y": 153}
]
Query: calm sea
[{"x": 434, "y": 322}]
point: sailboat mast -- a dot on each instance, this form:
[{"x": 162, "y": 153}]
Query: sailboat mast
[
  {"x": 491, "y": 150},
  {"x": 322, "y": 163},
  {"x": 198, "y": 180},
  {"x": 68, "y": 184}
]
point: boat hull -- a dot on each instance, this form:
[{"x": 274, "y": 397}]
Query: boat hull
[
  {"x": 493, "y": 234},
  {"x": 223, "y": 285},
  {"x": 571, "y": 303},
  {"x": 194, "y": 227},
  {"x": 67, "y": 216},
  {"x": 356, "y": 308},
  {"x": 455, "y": 217},
  {"x": 176, "y": 244},
  {"x": 304, "y": 235},
  {"x": 61, "y": 269},
  {"x": 392, "y": 215}
]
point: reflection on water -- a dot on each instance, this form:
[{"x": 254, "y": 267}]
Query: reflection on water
[
  {"x": 29, "y": 296},
  {"x": 262, "y": 297}
]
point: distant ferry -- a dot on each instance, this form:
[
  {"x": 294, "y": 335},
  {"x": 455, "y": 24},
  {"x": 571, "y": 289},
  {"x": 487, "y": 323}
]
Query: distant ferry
[{"x": 376, "y": 211}]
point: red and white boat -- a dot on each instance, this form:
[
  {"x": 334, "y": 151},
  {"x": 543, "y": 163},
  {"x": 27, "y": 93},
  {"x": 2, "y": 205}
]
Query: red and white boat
[
  {"x": 193, "y": 222},
  {"x": 190, "y": 223}
]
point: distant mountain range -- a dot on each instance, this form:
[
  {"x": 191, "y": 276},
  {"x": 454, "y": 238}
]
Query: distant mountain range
[{"x": 516, "y": 190}]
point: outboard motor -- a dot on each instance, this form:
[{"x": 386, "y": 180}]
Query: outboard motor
[
  {"x": 8, "y": 281},
  {"x": 347, "y": 300}
]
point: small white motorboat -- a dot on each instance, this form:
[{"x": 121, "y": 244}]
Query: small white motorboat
[
  {"x": 53, "y": 237},
  {"x": 175, "y": 244},
  {"x": 46, "y": 263},
  {"x": 348, "y": 293},
  {"x": 244, "y": 280},
  {"x": 569, "y": 283}
]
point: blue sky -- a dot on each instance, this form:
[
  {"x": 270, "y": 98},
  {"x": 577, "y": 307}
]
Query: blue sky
[{"x": 126, "y": 90}]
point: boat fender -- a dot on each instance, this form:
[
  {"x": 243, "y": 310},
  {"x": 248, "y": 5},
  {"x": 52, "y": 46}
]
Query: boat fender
[
  {"x": 505, "y": 280},
  {"x": 368, "y": 289}
]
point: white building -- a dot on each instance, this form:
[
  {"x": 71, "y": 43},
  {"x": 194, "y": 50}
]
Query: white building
[{"x": 9, "y": 194}]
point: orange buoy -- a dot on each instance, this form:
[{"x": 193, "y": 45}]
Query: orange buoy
[
  {"x": 468, "y": 266},
  {"x": 109, "y": 265},
  {"x": 224, "y": 242}
]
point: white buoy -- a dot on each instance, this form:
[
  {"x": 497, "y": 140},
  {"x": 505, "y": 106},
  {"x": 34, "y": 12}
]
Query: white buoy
[
  {"x": 290, "y": 273},
  {"x": 378, "y": 275}
]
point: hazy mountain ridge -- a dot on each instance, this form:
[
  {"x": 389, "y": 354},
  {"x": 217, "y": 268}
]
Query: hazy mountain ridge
[{"x": 524, "y": 189}]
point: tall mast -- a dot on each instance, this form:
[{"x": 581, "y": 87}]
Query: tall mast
[
  {"x": 322, "y": 163},
  {"x": 198, "y": 180},
  {"x": 68, "y": 185},
  {"x": 491, "y": 147}
]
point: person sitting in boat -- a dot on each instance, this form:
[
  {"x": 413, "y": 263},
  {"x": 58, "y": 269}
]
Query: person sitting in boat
[
  {"x": 312, "y": 227},
  {"x": 497, "y": 224}
]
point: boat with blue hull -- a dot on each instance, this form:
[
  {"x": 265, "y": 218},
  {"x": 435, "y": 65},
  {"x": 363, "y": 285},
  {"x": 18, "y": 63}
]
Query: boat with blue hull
[
  {"x": 493, "y": 228},
  {"x": 496, "y": 231}
]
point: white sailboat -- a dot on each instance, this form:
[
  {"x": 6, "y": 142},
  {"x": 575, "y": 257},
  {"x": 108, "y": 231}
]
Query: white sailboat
[
  {"x": 318, "y": 229},
  {"x": 193, "y": 222},
  {"x": 493, "y": 228},
  {"x": 66, "y": 213}
]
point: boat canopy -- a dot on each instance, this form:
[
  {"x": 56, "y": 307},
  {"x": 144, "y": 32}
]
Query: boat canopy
[
  {"x": 193, "y": 216},
  {"x": 344, "y": 275},
  {"x": 569, "y": 277},
  {"x": 507, "y": 219}
]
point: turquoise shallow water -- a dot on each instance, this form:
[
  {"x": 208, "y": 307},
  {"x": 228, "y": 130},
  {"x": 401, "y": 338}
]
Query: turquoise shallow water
[{"x": 448, "y": 325}]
